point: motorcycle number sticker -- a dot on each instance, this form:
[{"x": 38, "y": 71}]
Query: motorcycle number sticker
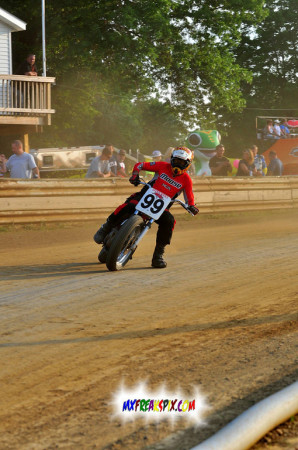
[{"x": 153, "y": 203}]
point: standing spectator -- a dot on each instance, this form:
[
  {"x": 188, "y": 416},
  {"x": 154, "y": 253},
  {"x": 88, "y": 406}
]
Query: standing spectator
[
  {"x": 20, "y": 164},
  {"x": 259, "y": 161},
  {"x": 275, "y": 167},
  {"x": 219, "y": 164},
  {"x": 285, "y": 132},
  {"x": 117, "y": 164},
  {"x": 246, "y": 166},
  {"x": 28, "y": 67},
  {"x": 100, "y": 166},
  {"x": 156, "y": 156},
  {"x": 168, "y": 154}
]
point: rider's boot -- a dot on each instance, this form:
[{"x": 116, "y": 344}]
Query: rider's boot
[
  {"x": 102, "y": 232},
  {"x": 157, "y": 260}
]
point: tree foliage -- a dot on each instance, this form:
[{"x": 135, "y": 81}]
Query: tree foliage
[
  {"x": 270, "y": 54},
  {"x": 137, "y": 72}
]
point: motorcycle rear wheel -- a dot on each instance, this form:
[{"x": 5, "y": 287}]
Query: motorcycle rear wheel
[{"x": 120, "y": 251}]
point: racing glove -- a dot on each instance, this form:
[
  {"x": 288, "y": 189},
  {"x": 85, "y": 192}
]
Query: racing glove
[
  {"x": 193, "y": 209},
  {"x": 135, "y": 179}
]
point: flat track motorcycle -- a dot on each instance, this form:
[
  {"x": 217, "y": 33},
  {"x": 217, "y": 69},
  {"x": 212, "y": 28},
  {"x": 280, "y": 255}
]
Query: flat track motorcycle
[{"x": 122, "y": 241}]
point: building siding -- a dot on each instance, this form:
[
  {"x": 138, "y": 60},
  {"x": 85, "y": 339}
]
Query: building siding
[
  {"x": 5, "y": 61},
  {"x": 5, "y": 54}
]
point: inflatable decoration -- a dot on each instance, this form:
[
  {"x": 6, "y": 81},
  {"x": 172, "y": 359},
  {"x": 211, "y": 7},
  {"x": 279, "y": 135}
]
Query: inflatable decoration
[{"x": 203, "y": 144}]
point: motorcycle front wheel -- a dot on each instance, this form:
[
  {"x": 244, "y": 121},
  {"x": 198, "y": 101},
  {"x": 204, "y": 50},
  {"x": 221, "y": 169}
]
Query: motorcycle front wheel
[
  {"x": 120, "y": 251},
  {"x": 102, "y": 255}
]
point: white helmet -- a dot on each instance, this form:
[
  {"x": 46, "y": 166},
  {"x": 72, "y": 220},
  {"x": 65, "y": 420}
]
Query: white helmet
[{"x": 181, "y": 159}]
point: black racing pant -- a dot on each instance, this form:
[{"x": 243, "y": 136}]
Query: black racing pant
[{"x": 166, "y": 222}]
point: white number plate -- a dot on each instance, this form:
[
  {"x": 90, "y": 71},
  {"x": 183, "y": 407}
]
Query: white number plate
[{"x": 153, "y": 203}]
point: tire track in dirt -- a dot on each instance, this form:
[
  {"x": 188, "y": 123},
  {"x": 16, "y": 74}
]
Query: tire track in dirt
[{"x": 222, "y": 316}]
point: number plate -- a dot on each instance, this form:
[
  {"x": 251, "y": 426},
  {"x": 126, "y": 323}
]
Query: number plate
[{"x": 153, "y": 203}]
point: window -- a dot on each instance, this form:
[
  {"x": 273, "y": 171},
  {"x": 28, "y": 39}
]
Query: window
[
  {"x": 89, "y": 157},
  {"x": 47, "y": 161}
]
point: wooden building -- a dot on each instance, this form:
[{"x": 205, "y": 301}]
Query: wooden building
[{"x": 25, "y": 101}]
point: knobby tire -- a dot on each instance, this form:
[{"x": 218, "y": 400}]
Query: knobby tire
[{"x": 120, "y": 251}]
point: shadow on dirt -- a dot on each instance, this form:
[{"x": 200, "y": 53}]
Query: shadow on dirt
[
  {"x": 286, "y": 319},
  {"x": 12, "y": 273}
]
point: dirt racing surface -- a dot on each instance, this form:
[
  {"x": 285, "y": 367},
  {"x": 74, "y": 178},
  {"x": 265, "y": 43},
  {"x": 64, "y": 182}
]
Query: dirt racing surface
[{"x": 221, "y": 316}]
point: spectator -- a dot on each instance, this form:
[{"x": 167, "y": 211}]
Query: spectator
[
  {"x": 219, "y": 164},
  {"x": 117, "y": 164},
  {"x": 20, "y": 164},
  {"x": 100, "y": 166},
  {"x": 259, "y": 162},
  {"x": 110, "y": 146},
  {"x": 28, "y": 67},
  {"x": 268, "y": 131},
  {"x": 275, "y": 167},
  {"x": 192, "y": 169},
  {"x": 285, "y": 132},
  {"x": 168, "y": 154},
  {"x": 156, "y": 156},
  {"x": 246, "y": 166},
  {"x": 276, "y": 128}
]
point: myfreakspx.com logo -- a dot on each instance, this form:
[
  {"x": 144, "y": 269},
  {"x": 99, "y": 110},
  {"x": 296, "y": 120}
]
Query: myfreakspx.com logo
[
  {"x": 159, "y": 405},
  {"x": 133, "y": 403}
]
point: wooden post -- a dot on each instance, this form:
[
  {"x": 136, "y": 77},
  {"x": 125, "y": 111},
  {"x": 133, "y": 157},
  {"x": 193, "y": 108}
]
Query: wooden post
[
  {"x": 26, "y": 142},
  {"x": 48, "y": 100}
]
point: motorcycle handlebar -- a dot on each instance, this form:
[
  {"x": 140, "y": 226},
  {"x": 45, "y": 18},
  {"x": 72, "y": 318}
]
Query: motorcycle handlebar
[{"x": 184, "y": 205}]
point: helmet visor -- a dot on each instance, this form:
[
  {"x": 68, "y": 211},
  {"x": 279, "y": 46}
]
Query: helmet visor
[{"x": 180, "y": 163}]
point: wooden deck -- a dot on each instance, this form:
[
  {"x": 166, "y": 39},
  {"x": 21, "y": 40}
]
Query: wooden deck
[{"x": 25, "y": 100}]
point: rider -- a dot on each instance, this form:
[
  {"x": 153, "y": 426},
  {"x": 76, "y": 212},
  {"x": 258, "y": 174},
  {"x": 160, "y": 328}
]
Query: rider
[{"x": 171, "y": 179}]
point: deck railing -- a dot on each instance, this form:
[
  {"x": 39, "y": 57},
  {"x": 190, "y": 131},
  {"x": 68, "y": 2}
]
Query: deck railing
[{"x": 25, "y": 95}]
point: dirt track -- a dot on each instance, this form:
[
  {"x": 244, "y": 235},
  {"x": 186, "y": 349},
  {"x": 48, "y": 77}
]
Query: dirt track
[{"x": 223, "y": 316}]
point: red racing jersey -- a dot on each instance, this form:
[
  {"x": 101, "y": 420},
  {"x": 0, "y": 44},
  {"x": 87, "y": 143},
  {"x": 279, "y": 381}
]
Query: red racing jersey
[{"x": 165, "y": 181}]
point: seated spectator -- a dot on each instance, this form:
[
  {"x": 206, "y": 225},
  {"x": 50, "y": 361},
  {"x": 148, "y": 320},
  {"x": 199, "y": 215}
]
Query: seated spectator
[
  {"x": 246, "y": 166},
  {"x": 259, "y": 162},
  {"x": 276, "y": 128},
  {"x": 117, "y": 164},
  {"x": 28, "y": 67},
  {"x": 100, "y": 167},
  {"x": 268, "y": 131},
  {"x": 156, "y": 156},
  {"x": 275, "y": 167},
  {"x": 20, "y": 164},
  {"x": 219, "y": 164},
  {"x": 285, "y": 132}
]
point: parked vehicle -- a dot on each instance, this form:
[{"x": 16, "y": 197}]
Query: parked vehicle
[{"x": 73, "y": 159}]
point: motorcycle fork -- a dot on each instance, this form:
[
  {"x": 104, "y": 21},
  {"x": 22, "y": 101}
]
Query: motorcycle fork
[{"x": 146, "y": 228}]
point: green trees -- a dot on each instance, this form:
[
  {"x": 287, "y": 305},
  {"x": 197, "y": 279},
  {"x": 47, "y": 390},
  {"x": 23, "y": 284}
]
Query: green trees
[
  {"x": 270, "y": 53},
  {"x": 139, "y": 73}
]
